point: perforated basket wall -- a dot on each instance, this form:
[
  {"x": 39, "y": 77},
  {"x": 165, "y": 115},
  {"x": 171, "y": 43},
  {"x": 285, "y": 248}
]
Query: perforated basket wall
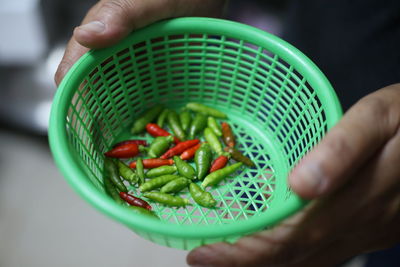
[{"x": 277, "y": 100}]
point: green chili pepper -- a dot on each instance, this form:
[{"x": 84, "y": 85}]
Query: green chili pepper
[
  {"x": 140, "y": 170},
  {"x": 175, "y": 125},
  {"x": 127, "y": 173},
  {"x": 175, "y": 185},
  {"x": 167, "y": 199},
  {"x": 162, "y": 117},
  {"x": 159, "y": 145},
  {"x": 215, "y": 177},
  {"x": 238, "y": 156},
  {"x": 212, "y": 139},
  {"x": 201, "y": 197},
  {"x": 110, "y": 189},
  {"x": 163, "y": 170},
  {"x": 214, "y": 126},
  {"x": 202, "y": 159},
  {"x": 198, "y": 124},
  {"x": 140, "y": 124},
  {"x": 184, "y": 168},
  {"x": 157, "y": 182},
  {"x": 111, "y": 170},
  {"x": 185, "y": 118},
  {"x": 143, "y": 211},
  {"x": 197, "y": 107}
]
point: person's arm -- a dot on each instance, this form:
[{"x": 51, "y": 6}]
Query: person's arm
[
  {"x": 354, "y": 177},
  {"x": 111, "y": 20}
]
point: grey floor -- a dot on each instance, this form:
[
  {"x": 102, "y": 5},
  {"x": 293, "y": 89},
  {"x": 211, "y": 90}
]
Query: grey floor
[{"x": 44, "y": 223}]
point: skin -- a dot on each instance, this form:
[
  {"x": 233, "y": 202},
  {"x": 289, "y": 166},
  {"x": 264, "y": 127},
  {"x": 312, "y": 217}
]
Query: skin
[{"x": 352, "y": 176}]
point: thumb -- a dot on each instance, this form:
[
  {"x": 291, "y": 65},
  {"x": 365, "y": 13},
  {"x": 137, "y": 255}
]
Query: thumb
[
  {"x": 353, "y": 141},
  {"x": 111, "y": 20}
]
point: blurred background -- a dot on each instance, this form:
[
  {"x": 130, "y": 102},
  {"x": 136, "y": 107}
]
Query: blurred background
[{"x": 42, "y": 221}]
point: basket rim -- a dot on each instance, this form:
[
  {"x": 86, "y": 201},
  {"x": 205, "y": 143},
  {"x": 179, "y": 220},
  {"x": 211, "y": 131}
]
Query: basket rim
[{"x": 73, "y": 173}]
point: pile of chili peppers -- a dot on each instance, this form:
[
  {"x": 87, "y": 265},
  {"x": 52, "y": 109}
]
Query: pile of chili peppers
[{"x": 162, "y": 169}]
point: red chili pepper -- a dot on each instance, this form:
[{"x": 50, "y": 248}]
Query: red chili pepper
[
  {"x": 179, "y": 148},
  {"x": 123, "y": 151},
  {"x": 152, "y": 163},
  {"x": 219, "y": 163},
  {"x": 134, "y": 201},
  {"x": 155, "y": 130},
  {"x": 138, "y": 142},
  {"x": 189, "y": 153},
  {"x": 227, "y": 134}
]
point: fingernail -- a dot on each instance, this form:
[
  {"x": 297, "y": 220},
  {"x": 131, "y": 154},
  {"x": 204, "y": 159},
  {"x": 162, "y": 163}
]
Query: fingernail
[
  {"x": 94, "y": 27},
  {"x": 311, "y": 177}
]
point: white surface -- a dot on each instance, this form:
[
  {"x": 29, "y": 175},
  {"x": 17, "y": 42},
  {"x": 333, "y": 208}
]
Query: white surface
[
  {"x": 44, "y": 223},
  {"x": 22, "y": 32}
]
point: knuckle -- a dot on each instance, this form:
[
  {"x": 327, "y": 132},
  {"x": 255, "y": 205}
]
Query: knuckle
[
  {"x": 374, "y": 105},
  {"x": 383, "y": 108},
  {"x": 117, "y": 7},
  {"x": 61, "y": 71}
]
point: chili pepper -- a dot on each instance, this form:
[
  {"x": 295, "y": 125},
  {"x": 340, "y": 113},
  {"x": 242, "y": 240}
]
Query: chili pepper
[
  {"x": 189, "y": 153},
  {"x": 110, "y": 189},
  {"x": 185, "y": 119},
  {"x": 184, "y": 168},
  {"x": 155, "y": 131},
  {"x": 133, "y": 141},
  {"x": 198, "y": 124},
  {"x": 162, "y": 117},
  {"x": 228, "y": 137},
  {"x": 111, "y": 170},
  {"x": 127, "y": 173},
  {"x": 157, "y": 182},
  {"x": 143, "y": 211},
  {"x": 140, "y": 170},
  {"x": 163, "y": 170},
  {"x": 212, "y": 139},
  {"x": 175, "y": 185},
  {"x": 152, "y": 163},
  {"x": 175, "y": 125},
  {"x": 215, "y": 177},
  {"x": 202, "y": 159},
  {"x": 197, "y": 107},
  {"x": 148, "y": 116},
  {"x": 214, "y": 126},
  {"x": 201, "y": 197},
  {"x": 167, "y": 199},
  {"x": 179, "y": 148},
  {"x": 159, "y": 145},
  {"x": 219, "y": 163},
  {"x": 123, "y": 151},
  {"x": 238, "y": 156},
  {"x": 134, "y": 201}
]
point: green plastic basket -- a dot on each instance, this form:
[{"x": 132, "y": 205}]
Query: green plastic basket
[{"x": 277, "y": 100}]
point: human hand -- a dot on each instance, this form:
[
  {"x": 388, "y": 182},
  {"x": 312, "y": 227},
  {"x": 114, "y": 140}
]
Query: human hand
[
  {"x": 109, "y": 21},
  {"x": 353, "y": 177}
]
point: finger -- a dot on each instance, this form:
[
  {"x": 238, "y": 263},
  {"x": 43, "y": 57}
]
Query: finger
[
  {"x": 72, "y": 53},
  {"x": 266, "y": 248},
  {"x": 110, "y": 20},
  {"x": 114, "y": 19},
  {"x": 356, "y": 138},
  {"x": 333, "y": 254}
]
